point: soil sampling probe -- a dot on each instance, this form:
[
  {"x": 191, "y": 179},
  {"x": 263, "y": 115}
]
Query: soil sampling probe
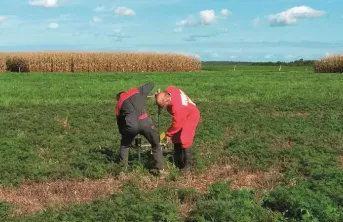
[{"x": 144, "y": 147}]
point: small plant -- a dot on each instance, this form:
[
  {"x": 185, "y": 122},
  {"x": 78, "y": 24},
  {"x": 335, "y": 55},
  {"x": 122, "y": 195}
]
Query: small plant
[
  {"x": 302, "y": 204},
  {"x": 131, "y": 204},
  {"x": 17, "y": 64},
  {"x": 224, "y": 204},
  {"x": 5, "y": 209}
]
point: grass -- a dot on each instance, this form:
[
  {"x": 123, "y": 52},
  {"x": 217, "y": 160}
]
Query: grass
[
  {"x": 62, "y": 126},
  {"x": 254, "y": 68}
]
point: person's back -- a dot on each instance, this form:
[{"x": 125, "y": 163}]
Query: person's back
[
  {"x": 180, "y": 101},
  {"x": 131, "y": 107},
  {"x": 181, "y": 107}
]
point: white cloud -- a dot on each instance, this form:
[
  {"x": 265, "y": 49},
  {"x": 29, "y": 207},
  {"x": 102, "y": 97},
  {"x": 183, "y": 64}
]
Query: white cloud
[
  {"x": 187, "y": 22},
  {"x": 207, "y": 17},
  {"x": 225, "y": 12},
  {"x": 96, "y": 19},
  {"x": 124, "y": 11},
  {"x": 233, "y": 57},
  {"x": 53, "y": 25},
  {"x": 100, "y": 9},
  {"x": 44, "y": 3},
  {"x": 256, "y": 21},
  {"x": 290, "y": 16},
  {"x": 268, "y": 56},
  {"x": 2, "y": 18},
  {"x": 178, "y": 29}
]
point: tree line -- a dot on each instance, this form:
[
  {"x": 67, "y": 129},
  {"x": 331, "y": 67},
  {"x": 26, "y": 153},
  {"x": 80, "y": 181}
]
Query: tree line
[{"x": 300, "y": 62}]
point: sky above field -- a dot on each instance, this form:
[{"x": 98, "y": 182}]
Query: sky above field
[{"x": 235, "y": 30}]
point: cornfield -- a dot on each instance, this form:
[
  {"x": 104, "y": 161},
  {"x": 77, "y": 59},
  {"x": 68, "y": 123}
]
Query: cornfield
[
  {"x": 330, "y": 64},
  {"x": 103, "y": 62}
]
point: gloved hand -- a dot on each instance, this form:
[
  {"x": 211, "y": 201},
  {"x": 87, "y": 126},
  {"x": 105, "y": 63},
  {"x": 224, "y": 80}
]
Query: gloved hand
[{"x": 168, "y": 139}]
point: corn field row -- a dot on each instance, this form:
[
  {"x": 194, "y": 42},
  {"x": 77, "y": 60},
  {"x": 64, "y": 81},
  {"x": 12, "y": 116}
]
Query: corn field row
[
  {"x": 331, "y": 64},
  {"x": 101, "y": 62}
]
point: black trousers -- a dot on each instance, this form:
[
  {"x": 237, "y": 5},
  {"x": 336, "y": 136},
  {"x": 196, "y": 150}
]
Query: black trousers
[{"x": 144, "y": 127}]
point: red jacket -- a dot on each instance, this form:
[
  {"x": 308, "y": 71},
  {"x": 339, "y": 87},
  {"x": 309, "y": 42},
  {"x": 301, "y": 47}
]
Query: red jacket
[{"x": 180, "y": 107}]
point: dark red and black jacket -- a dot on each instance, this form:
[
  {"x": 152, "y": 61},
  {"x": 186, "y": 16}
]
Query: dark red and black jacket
[{"x": 130, "y": 108}]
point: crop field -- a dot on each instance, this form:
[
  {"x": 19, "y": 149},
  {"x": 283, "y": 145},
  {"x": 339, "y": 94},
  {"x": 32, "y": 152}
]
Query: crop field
[
  {"x": 269, "y": 147},
  {"x": 330, "y": 64},
  {"x": 96, "y": 62}
]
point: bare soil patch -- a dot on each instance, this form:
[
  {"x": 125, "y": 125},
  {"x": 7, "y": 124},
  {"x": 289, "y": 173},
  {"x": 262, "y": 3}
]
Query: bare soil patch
[
  {"x": 341, "y": 162},
  {"x": 33, "y": 197}
]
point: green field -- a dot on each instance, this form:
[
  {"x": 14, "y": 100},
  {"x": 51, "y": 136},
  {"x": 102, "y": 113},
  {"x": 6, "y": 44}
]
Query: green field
[{"x": 255, "y": 121}]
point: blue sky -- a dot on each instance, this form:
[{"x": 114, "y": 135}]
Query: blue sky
[{"x": 235, "y": 30}]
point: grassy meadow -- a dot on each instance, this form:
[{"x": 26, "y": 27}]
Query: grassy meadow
[{"x": 269, "y": 147}]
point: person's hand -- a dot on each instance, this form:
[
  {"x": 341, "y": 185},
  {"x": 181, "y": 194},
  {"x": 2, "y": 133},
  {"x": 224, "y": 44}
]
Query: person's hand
[{"x": 168, "y": 139}]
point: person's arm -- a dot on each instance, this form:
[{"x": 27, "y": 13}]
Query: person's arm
[
  {"x": 146, "y": 89},
  {"x": 119, "y": 118},
  {"x": 118, "y": 125},
  {"x": 176, "y": 122}
]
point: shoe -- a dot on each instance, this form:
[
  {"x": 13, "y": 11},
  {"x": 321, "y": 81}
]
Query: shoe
[
  {"x": 159, "y": 173},
  {"x": 163, "y": 173}
]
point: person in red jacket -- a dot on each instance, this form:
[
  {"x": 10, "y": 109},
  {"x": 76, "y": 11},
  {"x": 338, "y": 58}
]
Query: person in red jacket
[{"x": 185, "y": 119}]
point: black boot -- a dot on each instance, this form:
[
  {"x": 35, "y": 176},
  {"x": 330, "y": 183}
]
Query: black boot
[
  {"x": 124, "y": 156},
  {"x": 178, "y": 155},
  {"x": 157, "y": 154},
  {"x": 188, "y": 161}
]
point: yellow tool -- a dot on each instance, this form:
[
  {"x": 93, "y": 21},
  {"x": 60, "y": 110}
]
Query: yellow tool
[{"x": 162, "y": 136}]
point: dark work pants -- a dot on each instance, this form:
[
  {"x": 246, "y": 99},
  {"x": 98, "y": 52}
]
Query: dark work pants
[{"x": 144, "y": 127}]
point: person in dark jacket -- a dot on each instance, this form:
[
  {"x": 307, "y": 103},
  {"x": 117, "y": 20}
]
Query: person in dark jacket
[{"x": 132, "y": 119}]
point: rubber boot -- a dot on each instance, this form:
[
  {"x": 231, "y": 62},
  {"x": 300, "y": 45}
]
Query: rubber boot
[
  {"x": 178, "y": 155},
  {"x": 157, "y": 153},
  {"x": 187, "y": 160},
  {"x": 124, "y": 156}
]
